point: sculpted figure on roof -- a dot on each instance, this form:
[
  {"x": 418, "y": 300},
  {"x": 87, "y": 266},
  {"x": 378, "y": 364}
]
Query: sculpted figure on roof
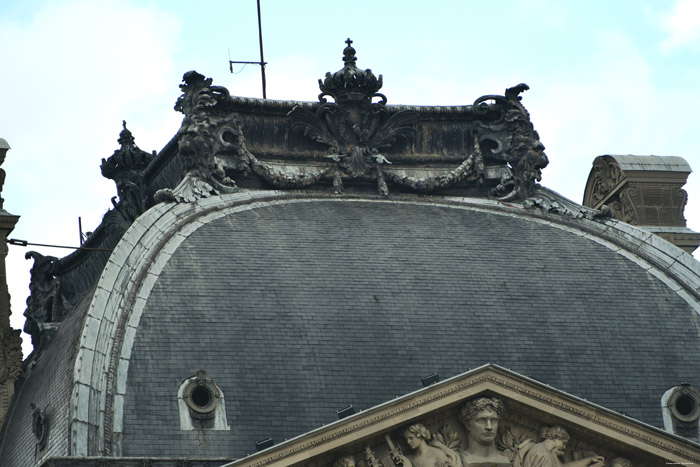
[
  {"x": 547, "y": 453},
  {"x": 481, "y": 419},
  {"x": 427, "y": 451}
]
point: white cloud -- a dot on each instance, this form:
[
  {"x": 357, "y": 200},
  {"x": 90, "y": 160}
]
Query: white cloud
[
  {"x": 71, "y": 73},
  {"x": 682, "y": 24}
]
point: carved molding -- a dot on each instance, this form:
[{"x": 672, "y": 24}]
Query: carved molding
[
  {"x": 359, "y": 133},
  {"x": 648, "y": 192},
  {"x": 373, "y": 438},
  {"x": 605, "y": 176}
]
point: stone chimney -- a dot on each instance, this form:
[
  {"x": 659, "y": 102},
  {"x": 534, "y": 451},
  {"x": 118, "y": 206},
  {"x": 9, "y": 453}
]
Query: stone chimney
[
  {"x": 646, "y": 191},
  {"x": 10, "y": 340}
]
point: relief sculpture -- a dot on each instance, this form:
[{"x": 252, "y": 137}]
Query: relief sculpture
[
  {"x": 477, "y": 434},
  {"x": 547, "y": 453},
  {"x": 426, "y": 450},
  {"x": 481, "y": 419}
]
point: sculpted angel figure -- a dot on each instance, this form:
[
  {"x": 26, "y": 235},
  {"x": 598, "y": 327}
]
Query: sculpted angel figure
[
  {"x": 548, "y": 452},
  {"x": 481, "y": 419},
  {"x": 427, "y": 451}
]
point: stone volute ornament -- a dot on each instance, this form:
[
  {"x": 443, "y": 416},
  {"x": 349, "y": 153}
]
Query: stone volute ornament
[
  {"x": 199, "y": 141},
  {"x": 511, "y": 138}
]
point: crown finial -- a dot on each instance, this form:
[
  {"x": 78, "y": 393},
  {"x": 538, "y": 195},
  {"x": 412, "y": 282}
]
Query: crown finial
[
  {"x": 349, "y": 54},
  {"x": 127, "y": 158},
  {"x": 125, "y": 137},
  {"x": 350, "y": 83}
]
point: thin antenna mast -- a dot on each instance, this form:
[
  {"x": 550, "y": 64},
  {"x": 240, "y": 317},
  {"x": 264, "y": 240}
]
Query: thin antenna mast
[{"x": 262, "y": 61}]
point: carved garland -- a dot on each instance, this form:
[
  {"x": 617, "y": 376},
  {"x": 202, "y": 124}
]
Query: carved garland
[{"x": 355, "y": 130}]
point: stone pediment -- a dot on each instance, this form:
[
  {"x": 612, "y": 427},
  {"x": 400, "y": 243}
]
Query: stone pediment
[{"x": 529, "y": 413}]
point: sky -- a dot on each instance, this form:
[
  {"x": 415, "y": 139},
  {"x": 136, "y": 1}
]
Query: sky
[{"x": 605, "y": 78}]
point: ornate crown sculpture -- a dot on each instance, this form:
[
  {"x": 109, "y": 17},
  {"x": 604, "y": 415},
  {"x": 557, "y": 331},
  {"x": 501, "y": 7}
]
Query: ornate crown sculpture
[
  {"x": 354, "y": 128},
  {"x": 125, "y": 159},
  {"x": 125, "y": 167},
  {"x": 350, "y": 83}
]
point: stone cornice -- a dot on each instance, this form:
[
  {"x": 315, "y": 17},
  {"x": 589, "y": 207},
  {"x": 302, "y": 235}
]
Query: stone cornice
[{"x": 489, "y": 379}]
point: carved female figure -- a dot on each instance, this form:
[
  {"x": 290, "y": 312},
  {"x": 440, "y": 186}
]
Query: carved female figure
[{"x": 434, "y": 454}]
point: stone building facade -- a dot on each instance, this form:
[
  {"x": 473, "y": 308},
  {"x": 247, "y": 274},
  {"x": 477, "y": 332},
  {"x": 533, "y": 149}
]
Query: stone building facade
[{"x": 351, "y": 283}]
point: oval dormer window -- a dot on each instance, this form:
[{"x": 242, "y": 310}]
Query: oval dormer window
[{"x": 201, "y": 404}]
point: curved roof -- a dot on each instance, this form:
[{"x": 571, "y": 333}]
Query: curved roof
[
  {"x": 651, "y": 163},
  {"x": 297, "y": 306},
  {"x": 299, "y": 303}
]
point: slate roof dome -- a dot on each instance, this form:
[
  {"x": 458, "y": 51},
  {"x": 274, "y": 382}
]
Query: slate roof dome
[
  {"x": 267, "y": 271},
  {"x": 299, "y": 306}
]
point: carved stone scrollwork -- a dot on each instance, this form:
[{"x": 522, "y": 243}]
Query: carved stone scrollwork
[
  {"x": 511, "y": 138},
  {"x": 356, "y": 127},
  {"x": 45, "y": 306},
  {"x": 628, "y": 208},
  {"x": 607, "y": 175},
  {"x": 199, "y": 141}
]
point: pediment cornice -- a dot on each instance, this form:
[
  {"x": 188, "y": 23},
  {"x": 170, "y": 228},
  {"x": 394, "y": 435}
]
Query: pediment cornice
[{"x": 530, "y": 407}]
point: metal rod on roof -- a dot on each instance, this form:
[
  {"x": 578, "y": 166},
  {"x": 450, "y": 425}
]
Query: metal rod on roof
[
  {"x": 16, "y": 242},
  {"x": 262, "y": 59}
]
